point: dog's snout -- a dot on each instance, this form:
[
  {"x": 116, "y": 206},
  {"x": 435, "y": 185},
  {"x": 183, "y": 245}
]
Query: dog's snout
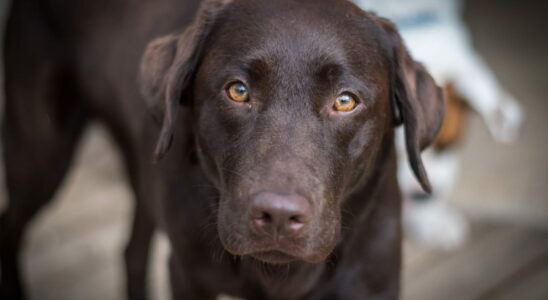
[{"x": 279, "y": 215}]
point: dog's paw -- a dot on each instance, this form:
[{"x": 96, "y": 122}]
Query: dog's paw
[
  {"x": 505, "y": 121},
  {"x": 435, "y": 225}
]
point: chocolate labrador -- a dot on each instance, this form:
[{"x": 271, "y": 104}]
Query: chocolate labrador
[{"x": 279, "y": 116}]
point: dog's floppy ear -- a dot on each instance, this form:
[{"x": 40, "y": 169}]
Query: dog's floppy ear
[
  {"x": 417, "y": 102},
  {"x": 168, "y": 65}
]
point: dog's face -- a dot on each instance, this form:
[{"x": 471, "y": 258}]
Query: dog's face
[
  {"x": 291, "y": 102},
  {"x": 288, "y": 120}
]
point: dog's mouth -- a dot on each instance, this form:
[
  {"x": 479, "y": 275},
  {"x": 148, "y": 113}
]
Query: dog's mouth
[{"x": 274, "y": 257}]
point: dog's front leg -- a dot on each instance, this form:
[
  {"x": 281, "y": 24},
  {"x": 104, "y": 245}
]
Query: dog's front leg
[
  {"x": 136, "y": 254},
  {"x": 182, "y": 284}
]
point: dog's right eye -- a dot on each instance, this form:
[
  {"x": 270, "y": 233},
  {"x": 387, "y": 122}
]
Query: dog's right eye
[
  {"x": 345, "y": 102},
  {"x": 238, "y": 92}
]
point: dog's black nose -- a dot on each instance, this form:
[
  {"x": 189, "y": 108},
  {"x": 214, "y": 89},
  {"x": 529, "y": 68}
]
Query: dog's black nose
[{"x": 279, "y": 215}]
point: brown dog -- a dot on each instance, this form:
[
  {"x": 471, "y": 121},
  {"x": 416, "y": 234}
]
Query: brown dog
[{"x": 280, "y": 182}]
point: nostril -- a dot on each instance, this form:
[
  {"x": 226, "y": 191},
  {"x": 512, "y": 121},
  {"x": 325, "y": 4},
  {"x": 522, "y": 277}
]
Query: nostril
[
  {"x": 263, "y": 219},
  {"x": 295, "y": 219},
  {"x": 295, "y": 223},
  {"x": 266, "y": 217}
]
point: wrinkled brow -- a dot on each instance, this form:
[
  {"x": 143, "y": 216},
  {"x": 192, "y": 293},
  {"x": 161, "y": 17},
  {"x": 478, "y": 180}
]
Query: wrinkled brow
[
  {"x": 323, "y": 66},
  {"x": 258, "y": 66},
  {"x": 329, "y": 72}
]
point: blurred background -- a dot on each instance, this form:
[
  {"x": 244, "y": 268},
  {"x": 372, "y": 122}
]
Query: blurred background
[{"x": 74, "y": 248}]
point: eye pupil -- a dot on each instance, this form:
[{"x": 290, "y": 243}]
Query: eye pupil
[
  {"x": 344, "y": 99},
  {"x": 240, "y": 89}
]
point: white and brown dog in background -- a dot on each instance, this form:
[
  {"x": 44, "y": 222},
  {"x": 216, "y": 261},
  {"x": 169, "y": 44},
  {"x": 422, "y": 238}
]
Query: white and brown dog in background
[{"x": 437, "y": 36}]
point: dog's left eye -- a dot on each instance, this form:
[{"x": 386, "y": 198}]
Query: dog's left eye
[
  {"x": 238, "y": 92},
  {"x": 345, "y": 102}
]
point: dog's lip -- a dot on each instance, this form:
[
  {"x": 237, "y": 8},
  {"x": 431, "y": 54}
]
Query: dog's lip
[{"x": 274, "y": 257}]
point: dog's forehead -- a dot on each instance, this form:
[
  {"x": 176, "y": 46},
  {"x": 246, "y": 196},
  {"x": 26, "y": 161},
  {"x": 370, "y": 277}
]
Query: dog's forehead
[{"x": 295, "y": 32}]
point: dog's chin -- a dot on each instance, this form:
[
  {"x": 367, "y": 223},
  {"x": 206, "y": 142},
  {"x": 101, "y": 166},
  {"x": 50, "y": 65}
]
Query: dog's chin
[
  {"x": 279, "y": 255},
  {"x": 269, "y": 256},
  {"x": 274, "y": 257}
]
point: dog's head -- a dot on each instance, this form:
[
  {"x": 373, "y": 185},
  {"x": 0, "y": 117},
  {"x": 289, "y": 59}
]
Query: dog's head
[{"x": 291, "y": 102}]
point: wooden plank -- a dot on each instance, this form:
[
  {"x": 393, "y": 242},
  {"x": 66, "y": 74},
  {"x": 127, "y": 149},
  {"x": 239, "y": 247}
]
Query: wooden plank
[
  {"x": 530, "y": 283},
  {"x": 418, "y": 259},
  {"x": 90, "y": 265},
  {"x": 473, "y": 271}
]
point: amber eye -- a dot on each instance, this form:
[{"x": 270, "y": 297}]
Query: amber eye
[
  {"x": 238, "y": 92},
  {"x": 345, "y": 102}
]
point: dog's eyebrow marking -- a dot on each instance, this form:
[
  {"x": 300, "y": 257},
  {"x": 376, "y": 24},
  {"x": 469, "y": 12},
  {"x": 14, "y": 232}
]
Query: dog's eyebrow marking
[
  {"x": 330, "y": 71},
  {"x": 257, "y": 66},
  {"x": 337, "y": 74}
]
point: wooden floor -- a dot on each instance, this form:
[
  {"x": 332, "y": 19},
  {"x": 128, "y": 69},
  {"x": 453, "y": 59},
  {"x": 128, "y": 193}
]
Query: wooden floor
[{"x": 500, "y": 261}]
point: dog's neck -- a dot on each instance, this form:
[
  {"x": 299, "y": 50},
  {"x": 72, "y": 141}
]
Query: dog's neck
[{"x": 288, "y": 281}]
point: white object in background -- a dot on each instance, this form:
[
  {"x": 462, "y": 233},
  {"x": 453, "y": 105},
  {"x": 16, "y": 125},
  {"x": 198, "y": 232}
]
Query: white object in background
[{"x": 437, "y": 37}]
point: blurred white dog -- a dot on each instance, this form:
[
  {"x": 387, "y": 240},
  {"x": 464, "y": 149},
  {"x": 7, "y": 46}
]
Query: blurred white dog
[{"x": 436, "y": 36}]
